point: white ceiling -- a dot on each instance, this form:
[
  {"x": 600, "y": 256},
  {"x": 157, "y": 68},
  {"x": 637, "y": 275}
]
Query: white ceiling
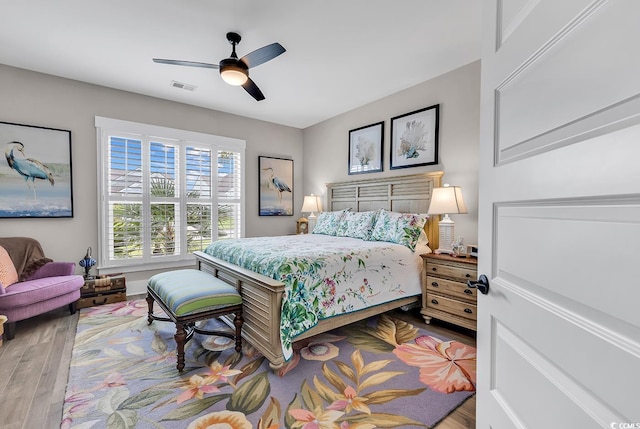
[{"x": 341, "y": 54}]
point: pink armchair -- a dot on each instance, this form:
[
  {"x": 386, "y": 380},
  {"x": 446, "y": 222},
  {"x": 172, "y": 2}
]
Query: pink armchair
[{"x": 43, "y": 285}]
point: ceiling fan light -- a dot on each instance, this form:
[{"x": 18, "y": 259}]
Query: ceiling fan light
[{"x": 233, "y": 75}]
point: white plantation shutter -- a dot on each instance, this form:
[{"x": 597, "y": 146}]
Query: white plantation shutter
[
  {"x": 125, "y": 198},
  {"x": 165, "y": 193},
  {"x": 199, "y": 177},
  {"x": 229, "y": 192}
]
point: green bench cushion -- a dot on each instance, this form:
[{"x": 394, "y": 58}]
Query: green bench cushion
[{"x": 191, "y": 291}]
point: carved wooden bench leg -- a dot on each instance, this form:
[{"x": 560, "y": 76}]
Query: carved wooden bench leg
[
  {"x": 238, "y": 321},
  {"x": 150, "y": 302},
  {"x": 180, "y": 337}
]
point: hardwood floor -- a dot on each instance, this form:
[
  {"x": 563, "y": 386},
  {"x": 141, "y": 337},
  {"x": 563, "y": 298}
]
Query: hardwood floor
[
  {"x": 34, "y": 371},
  {"x": 35, "y": 368}
]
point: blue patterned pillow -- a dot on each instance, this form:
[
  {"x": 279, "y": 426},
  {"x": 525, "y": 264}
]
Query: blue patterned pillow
[
  {"x": 328, "y": 222},
  {"x": 357, "y": 224},
  {"x": 401, "y": 228}
]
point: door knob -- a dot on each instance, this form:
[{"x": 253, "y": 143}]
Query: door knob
[{"x": 482, "y": 284}]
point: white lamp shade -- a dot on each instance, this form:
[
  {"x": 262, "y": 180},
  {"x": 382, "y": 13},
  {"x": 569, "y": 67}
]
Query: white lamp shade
[
  {"x": 446, "y": 200},
  {"x": 310, "y": 204}
]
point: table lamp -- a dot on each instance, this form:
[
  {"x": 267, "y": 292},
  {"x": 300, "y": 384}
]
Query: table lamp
[
  {"x": 311, "y": 205},
  {"x": 444, "y": 201}
]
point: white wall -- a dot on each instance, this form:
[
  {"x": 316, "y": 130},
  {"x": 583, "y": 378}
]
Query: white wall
[
  {"x": 37, "y": 99},
  {"x": 457, "y": 92}
]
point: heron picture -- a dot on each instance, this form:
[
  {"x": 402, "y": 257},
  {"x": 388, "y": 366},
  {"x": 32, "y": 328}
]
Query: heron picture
[
  {"x": 35, "y": 176},
  {"x": 276, "y": 186}
]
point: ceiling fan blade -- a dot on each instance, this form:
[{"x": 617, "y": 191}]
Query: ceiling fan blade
[
  {"x": 185, "y": 63},
  {"x": 263, "y": 55},
  {"x": 253, "y": 90}
]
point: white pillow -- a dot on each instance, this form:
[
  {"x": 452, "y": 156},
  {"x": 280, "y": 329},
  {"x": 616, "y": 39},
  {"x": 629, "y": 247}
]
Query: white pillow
[{"x": 422, "y": 246}]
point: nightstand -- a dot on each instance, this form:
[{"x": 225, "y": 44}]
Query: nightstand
[{"x": 445, "y": 294}]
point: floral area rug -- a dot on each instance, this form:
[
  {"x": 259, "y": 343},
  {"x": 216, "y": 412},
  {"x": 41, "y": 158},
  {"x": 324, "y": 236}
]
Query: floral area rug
[{"x": 380, "y": 373}]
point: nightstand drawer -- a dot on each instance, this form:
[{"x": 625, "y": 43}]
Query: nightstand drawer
[
  {"x": 457, "y": 273},
  {"x": 458, "y": 308},
  {"x": 450, "y": 287}
]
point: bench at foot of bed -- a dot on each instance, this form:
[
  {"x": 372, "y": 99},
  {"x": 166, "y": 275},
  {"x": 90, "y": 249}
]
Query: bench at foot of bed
[{"x": 189, "y": 296}]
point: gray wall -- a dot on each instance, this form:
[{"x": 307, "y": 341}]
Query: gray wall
[
  {"x": 43, "y": 100},
  {"x": 37, "y": 99},
  {"x": 457, "y": 92}
]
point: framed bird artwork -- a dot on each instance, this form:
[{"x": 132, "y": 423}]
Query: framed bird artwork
[
  {"x": 36, "y": 172},
  {"x": 275, "y": 187}
]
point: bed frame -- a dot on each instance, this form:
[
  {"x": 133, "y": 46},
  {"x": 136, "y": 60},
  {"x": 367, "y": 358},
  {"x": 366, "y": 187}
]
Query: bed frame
[{"x": 262, "y": 296}]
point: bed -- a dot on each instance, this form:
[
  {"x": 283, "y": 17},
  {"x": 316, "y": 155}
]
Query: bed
[{"x": 263, "y": 296}]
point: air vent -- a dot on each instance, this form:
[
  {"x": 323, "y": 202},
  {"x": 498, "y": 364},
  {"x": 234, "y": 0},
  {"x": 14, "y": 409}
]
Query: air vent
[{"x": 183, "y": 86}]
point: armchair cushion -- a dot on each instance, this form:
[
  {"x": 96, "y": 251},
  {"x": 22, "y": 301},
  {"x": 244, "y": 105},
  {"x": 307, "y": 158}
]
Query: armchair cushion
[{"x": 39, "y": 291}]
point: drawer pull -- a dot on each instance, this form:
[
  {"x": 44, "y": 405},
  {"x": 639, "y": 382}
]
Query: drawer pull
[
  {"x": 468, "y": 275},
  {"x": 434, "y": 301},
  {"x": 468, "y": 291},
  {"x": 468, "y": 310},
  {"x": 100, "y": 303},
  {"x": 434, "y": 269},
  {"x": 435, "y": 284}
]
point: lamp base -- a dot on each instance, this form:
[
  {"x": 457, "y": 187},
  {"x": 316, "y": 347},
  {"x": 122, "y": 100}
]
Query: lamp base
[
  {"x": 446, "y": 238},
  {"x": 312, "y": 222}
]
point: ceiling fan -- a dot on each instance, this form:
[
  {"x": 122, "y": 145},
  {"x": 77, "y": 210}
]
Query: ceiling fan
[{"x": 235, "y": 71}]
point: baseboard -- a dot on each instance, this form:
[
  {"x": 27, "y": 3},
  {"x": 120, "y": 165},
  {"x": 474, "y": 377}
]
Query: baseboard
[{"x": 136, "y": 287}]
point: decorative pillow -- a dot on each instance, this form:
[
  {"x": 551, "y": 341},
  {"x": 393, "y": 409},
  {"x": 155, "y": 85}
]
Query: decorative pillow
[
  {"x": 357, "y": 224},
  {"x": 385, "y": 227},
  {"x": 401, "y": 228},
  {"x": 409, "y": 228},
  {"x": 8, "y": 273},
  {"x": 328, "y": 222}
]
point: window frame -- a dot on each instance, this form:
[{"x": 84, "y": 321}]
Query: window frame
[{"x": 106, "y": 127}]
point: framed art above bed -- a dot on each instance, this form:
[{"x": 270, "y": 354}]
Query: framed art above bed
[
  {"x": 365, "y": 149},
  {"x": 414, "y": 138}
]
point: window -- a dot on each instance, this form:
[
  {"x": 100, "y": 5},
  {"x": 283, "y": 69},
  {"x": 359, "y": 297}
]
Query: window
[{"x": 165, "y": 193}]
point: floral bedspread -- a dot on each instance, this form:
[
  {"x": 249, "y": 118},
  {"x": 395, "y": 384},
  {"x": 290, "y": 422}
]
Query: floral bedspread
[{"x": 325, "y": 276}]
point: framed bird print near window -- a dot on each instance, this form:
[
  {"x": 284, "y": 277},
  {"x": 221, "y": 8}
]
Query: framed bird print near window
[
  {"x": 275, "y": 187},
  {"x": 35, "y": 177}
]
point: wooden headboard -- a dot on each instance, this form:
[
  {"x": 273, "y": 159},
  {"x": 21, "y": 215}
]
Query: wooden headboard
[{"x": 404, "y": 194}]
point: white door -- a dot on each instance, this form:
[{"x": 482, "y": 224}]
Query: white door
[{"x": 559, "y": 227}]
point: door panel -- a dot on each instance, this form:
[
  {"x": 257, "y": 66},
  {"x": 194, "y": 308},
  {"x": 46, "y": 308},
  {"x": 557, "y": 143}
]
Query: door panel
[
  {"x": 545, "y": 95},
  {"x": 565, "y": 403},
  {"x": 559, "y": 215},
  {"x": 524, "y": 228}
]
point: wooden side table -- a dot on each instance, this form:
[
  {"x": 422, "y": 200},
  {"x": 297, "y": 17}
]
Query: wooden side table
[
  {"x": 103, "y": 290},
  {"x": 446, "y": 295}
]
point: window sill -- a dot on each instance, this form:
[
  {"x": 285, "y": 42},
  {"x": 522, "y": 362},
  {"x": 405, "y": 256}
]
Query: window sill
[{"x": 149, "y": 266}]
